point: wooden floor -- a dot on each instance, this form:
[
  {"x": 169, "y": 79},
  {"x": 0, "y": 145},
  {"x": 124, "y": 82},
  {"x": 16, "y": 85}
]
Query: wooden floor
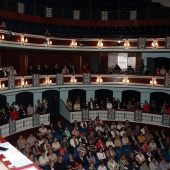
[{"x": 13, "y": 138}]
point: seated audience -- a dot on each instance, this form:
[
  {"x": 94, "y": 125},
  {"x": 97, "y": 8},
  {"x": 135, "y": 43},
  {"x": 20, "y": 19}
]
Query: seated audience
[
  {"x": 73, "y": 141},
  {"x": 112, "y": 165},
  {"x": 110, "y": 152},
  {"x": 56, "y": 145},
  {"x": 141, "y": 138},
  {"x": 42, "y": 129},
  {"x": 152, "y": 145},
  {"x": 67, "y": 133},
  {"x": 164, "y": 165},
  {"x": 118, "y": 142},
  {"x": 30, "y": 110},
  {"x": 52, "y": 156},
  {"x": 102, "y": 166},
  {"x": 60, "y": 163},
  {"x": 21, "y": 142},
  {"x": 123, "y": 163},
  {"x": 44, "y": 160},
  {"x": 144, "y": 166},
  {"x": 101, "y": 154},
  {"x": 77, "y": 105},
  {"x": 90, "y": 157},
  {"x": 69, "y": 104},
  {"x": 140, "y": 157},
  {"x": 31, "y": 139},
  {"x": 72, "y": 163},
  {"x": 27, "y": 150}
]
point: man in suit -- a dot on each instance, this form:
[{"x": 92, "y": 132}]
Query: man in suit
[
  {"x": 160, "y": 143},
  {"x": 91, "y": 104},
  {"x": 38, "y": 70},
  {"x": 4, "y": 117},
  {"x": 3, "y": 72},
  {"x": 162, "y": 135},
  {"x": 132, "y": 138},
  {"x": 82, "y": 160}
]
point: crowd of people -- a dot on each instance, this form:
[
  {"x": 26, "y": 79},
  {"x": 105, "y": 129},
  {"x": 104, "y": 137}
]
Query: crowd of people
[
  {"x": 15, "y": 111},
  {"x": 113, "y": 103},
  {"x": 96, "y": 145},
  {"x": 8, "y": 71}
]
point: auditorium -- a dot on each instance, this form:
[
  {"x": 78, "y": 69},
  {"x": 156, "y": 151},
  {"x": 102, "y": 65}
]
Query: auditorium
[{"x": 84, "y": 85}]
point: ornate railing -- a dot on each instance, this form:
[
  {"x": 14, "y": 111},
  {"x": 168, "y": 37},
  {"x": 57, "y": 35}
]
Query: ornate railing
[
  {"x": 15, "y": 126},
  {"x": 120, "y": 115},
  {"x": 24, "y": 82}
]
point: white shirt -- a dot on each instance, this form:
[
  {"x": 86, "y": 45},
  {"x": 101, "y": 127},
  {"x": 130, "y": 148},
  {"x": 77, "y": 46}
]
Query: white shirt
[
  {"x": 122, "y": 132},
  {"x": 77, "y": 106},
  {"x": 125, "y": 141},
  {"x": 101, "y": 156},
  {"x": 72, "y": 143},
  {"x": 119, "y": 126},
  {"x": 114, "y": 134},
  {"x": 102, "y": 168},
  {"x": 109, "y": 106},
  {"x": 82, "y": 124},
  {"x": 109, "y": 143},
  {"x": 56, "y": 145},
  {"x": 43, "y": 160},
  {"x": 112, "y": 165},
  {"x": 98, "y": 128}
]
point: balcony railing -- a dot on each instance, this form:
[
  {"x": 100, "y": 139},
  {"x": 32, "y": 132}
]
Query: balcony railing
[{"x": 62, "y": 80}]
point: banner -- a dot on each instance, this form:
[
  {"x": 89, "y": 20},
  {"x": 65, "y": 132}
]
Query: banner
[
  {"x": 167, "y": 42},
  {"x": 167, "y": 81},
  {"x": 141, "y": 43},
  {"x": 85, "y": 114},
  {"x": 59, "y": 79},
  {"x": 104, "y": 15},
  {"x": 36, "y": 120},
  {"x": 36, "y": 79},
  {"x": 12, "y": 126},
  {"x": 48, "y": 12},
  {"x": 76, "y": 14},
  {"x": 133, "y": 15},
  {"x": 11, "y": 82},
  {"x": 87, "y": 78},
  {"x": 20, "y": 8}
]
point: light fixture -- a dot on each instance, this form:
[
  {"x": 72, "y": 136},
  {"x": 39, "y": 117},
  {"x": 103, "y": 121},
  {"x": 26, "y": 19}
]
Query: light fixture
[
  {"x": 153, "y": 81},
  {"x": 73, "y": 80},
  {"x": 126, "y": 44},
  {"x": 23, "y": 40},
  {"x": 23, "y": 83},
  {"x": 100, "y": 44},
  {"x": 125, "y": 81},
  {"x": 118, "y": 43},
  {"x": 2, "y": 37},
  {"x": 99, "y": 80},
  {"x": 48, "y": 81},
  {"x": 51, "y": 43},
  {"x": 155, "y": 44},
  {"x": 73, "y": 44},
  {"x": 2, "y": 86}
]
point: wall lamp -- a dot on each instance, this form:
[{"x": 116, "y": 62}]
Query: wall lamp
[
  {"x": 155, "y": 44},
  {"x": 2, "y": 86},
  {"x": 125, "y": 81},
  {"x": 99, "y": 80},
  {"x": 73, "y": 80},
  {"x": 100, "y": 44},
  {"x": 153, "y": 81},
  {"x": 73, "y": 44},
  {"x": 48, "y": 81},
  {"x": 126, "y": 44}
]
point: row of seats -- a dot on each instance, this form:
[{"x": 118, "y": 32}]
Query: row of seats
[{"x": 56, "y": 30}]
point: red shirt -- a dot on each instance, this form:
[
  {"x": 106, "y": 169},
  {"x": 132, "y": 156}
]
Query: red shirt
[
  {"x": 100, "y": 144},
  {"x": 14, "y": 115}
]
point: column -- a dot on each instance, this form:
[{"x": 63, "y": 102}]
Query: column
[
  {"x": 10, "y": 98},
  {"x": 117, "y": 95},
  {"x": 23, "y": 64},
  {"x": 90, "y": 94}
]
